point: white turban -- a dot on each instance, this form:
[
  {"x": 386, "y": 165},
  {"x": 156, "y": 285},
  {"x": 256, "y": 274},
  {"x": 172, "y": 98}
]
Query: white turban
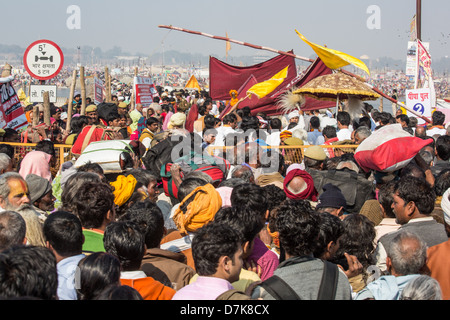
[{"x": 293, "y": 114}]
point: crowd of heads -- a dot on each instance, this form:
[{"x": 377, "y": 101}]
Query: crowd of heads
[{"x": 223, "y": 191}]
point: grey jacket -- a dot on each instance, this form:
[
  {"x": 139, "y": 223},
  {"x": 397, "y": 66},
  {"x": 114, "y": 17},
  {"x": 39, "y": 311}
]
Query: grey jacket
[
  {"x": 429, "y": 230},
  {"x": 305, "y": 278}
]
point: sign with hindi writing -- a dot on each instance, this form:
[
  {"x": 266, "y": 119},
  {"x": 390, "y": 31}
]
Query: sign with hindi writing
[
  {"x": 98, "y": 91},
  {"x": 43, "y": 59},
  {"x": 419, "y": 100},
  {"x": 11, "y": 111},
  {"x": 411, "y": 57},
  {"x": 144, "y": 90},
  {"x": 37, "y": 93}
]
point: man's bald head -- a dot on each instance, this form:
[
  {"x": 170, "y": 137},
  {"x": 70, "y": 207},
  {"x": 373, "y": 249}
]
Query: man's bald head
[
  {"x": 297, "y": 185},
  {"x": 420, "y": 131},
  {"x": 243, "y": 172}
]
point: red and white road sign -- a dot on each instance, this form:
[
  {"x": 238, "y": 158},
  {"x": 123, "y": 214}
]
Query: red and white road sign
[{"x": 43, "y": 59}]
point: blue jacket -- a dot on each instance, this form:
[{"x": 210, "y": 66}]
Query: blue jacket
[{"x": 385, "y": 288}]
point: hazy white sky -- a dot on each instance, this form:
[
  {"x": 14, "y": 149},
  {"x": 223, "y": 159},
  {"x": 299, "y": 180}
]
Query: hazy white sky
[{"x": 133, "y": 25}]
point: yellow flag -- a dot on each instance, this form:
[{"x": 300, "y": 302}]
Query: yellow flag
[
  {"x": 192, "y": 83},
  {"x": 262, "y": 89},
  {"x": 21, "y": 94},
  {"x": 334, "y": 59},
  {"x": 228, "y": 46}
]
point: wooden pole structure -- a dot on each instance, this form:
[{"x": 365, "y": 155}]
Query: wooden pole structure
[
  {"x": 133, "y": 95},
  {"x": 107, "y": 86},
  {"x": 83, "y": 91},
  {"x": 419, "y": 19},
  {"x": 70, "y": 104},
  {"x": 46, "y": 108},
  {"x": 35, "y": 115}
]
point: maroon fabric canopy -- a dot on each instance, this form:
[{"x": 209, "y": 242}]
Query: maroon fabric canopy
[{"x": 225, "y": 77}]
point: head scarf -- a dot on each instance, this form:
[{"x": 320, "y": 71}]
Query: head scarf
[
  {"x": 310, "y": 193},
  {"x": 178, "y": 119},
  {"x": 445, "y": 205},
  {"x": 285, "y": 134},
  {"x": 166, "y": 120},
  {"x": 263, "y": 123},
  {"x": 191, "y": 117},
  {"x": 123, "y": 188},
  {"x": 293, "y": 114},
  {"x": 138, "y": 123},
  {"x": 28, "y": 116},
  {"x": 201, "y": 210},
  {"x": 295, "y": 166},
  {"x": 38, "y": 163},
  {"x": 225, "y": 194}
]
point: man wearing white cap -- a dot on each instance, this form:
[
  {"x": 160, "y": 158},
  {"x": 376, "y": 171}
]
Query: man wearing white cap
[{"x": 296, "y": 121}]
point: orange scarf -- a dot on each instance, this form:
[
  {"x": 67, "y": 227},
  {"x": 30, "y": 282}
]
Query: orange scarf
[{"x": 201, "y": 210}]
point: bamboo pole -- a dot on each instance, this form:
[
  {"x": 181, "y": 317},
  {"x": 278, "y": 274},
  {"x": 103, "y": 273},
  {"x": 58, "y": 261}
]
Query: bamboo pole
[
  {"x": 107, "y": 86},
  {"x": 46, "y": 108},
  {"x": 35, "y": 115},
  {"x": 70, "y": 104},
  {"x": 133, "y": 96},
  {"x": 83, "y": 91}
]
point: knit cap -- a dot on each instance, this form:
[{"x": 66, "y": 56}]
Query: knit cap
[{"x": 331, "y": 197}]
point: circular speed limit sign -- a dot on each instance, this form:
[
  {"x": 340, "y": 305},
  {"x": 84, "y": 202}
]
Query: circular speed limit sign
[{"x": 43, "y": 59}]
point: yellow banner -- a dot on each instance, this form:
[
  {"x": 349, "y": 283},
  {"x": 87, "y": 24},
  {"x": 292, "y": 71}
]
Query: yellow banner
[
  {"x": 262, "y": 89},
  {"x": 334, "y": 59}
]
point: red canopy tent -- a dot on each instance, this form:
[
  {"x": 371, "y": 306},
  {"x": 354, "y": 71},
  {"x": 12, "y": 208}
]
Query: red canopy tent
[{"x": 225, "y": 77}]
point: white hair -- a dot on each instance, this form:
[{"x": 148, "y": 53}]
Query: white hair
[
  {"x": 300, "y": 133},
  {"x": 5, "y": 160},
  {"x": 422, "y": 287}
]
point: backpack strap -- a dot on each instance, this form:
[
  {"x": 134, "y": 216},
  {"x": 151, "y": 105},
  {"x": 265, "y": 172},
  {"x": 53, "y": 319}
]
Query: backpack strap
[
  {"x": 233, "y": 294},
  {"x": 279, "y": 289},
  {"x": 328, "y": 285}
]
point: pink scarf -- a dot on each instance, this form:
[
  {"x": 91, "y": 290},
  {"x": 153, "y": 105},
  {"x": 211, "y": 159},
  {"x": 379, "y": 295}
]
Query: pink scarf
[
  {"x": 36, "y": 162},
  {"x": 166, "y": 120}
]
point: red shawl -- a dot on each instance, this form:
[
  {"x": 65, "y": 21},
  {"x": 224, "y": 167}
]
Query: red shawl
[{"x": 191, "y": 117}]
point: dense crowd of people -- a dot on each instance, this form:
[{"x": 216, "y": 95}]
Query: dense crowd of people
[{"x": 186, "y": 199}]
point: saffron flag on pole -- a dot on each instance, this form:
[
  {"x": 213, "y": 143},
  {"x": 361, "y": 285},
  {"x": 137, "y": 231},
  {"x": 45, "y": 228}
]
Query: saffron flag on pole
[
  {"x": 334, "y": 59},
  {"x": 228, "y": 46},
  {"x": 413, "y": 29},
  {"x": 262, "y": 89},
  {"x": 192, "y": 84}
]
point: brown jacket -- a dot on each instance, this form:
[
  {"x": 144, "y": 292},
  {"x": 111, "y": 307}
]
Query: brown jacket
[{"x": 168, "y": 267}]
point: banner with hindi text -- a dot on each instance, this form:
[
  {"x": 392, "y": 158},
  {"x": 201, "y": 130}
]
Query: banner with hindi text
[
  {"x": 99, "y": 90},
  {"x": 144, "y": 90},
  {"x": 419, "y": 100},
  {"x": 11, "y": 110}
]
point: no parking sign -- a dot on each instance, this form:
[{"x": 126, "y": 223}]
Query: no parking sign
[{"x": 419, "y": 100}]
